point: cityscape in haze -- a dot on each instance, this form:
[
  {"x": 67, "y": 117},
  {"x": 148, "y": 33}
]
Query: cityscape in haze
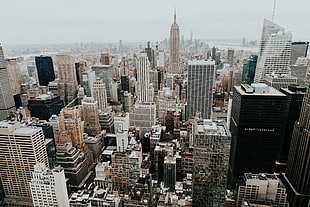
[{"x": 154, "y": 104}]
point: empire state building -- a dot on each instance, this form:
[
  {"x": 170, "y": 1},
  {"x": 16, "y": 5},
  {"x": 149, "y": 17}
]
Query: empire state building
[{"x": 174, "y": 67}]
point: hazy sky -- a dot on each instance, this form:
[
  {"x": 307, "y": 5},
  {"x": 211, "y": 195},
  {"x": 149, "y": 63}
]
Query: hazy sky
[{"x": 62, "y": 21}]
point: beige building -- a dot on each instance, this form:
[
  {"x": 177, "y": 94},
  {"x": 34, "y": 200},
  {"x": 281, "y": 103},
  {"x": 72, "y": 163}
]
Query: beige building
[
  {"x": 20, "y": 149},
  {"x": 14, "y": 75},
  {"x": 68, "y": 86},
  {"x": 91, "y": 116}
]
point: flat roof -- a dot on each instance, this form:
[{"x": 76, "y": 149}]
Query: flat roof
[
  {"x": 25, "y": 131},
  {"x": 201, "y": 62},
  {"x": 272, "y": 91}
]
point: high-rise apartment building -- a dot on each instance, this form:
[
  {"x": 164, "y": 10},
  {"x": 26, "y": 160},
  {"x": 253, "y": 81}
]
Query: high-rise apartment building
[
  {"x": 99, "y": 93},
  {"x": 201, "y": 76},
  {"x": 20, "y": 149},
  {"x": 6, "y": 94},
  {"x": 249, "y": 68},
  {"x": 258, "y": 121},
  {"x": 210, "y": 162},
  {"x": 275, "y": 51},
  {"x": 48, "y": 187},
  {"x": 67, "y": 78},
  {"x": 297, "y": 176},
  {"x": 45, "y": 69},
  {"x": 174, "y": 67},
  {"x": 90, "y": 116},
  {"x": 145, "y": 92}
]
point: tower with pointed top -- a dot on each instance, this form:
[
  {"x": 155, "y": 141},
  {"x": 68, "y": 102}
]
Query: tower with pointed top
[{"x": 174, "y": 67}]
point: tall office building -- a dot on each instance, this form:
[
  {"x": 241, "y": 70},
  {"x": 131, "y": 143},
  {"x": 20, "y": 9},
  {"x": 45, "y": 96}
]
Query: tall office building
[
  {"x": 105, "y": 59},
  {"x": 6, "y": 94},
  {"x": 20, "y": 149},
  {"x": 145, "y": 92},
  {"x": 99, "y": 93},
  {"x": 258, "y": 121},
  {"x": 210, "y": 162},
  {"x": 44, "y": 106},
  {"x": 297, "y": 174},
  {"x": 295, "y": 95},
  {"x": 48, "y": 187},
  {"x": 275, "y": 51},
  {"x": 249, "y": 68},
  {"x": 170, "y": 172},
  {"x": 67, "y": 78},
  {"x": 91, "y": 116},
  {"x": 70, "y": 127},
  {"x": 104, "y": 73},
  {"x": 45, "y": 69},
  {"x": 14, "y": 75},
  {"x": 174, "y": 67},
  {"x": 201, "y": 76},
  {"x": 88, "y": 79},
  {"x": 230, "y": 56},
  {"x": 298, "y": 49}
]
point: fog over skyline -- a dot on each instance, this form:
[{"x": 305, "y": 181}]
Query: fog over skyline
[{"x": 108, "y": 21}]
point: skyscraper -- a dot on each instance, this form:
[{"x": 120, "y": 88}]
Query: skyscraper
[
  {"x": 104, "y": 73},
  {"x": 67, "y": 78},
  {"x": 6, "y": 94},
  {"x": 298, "y": 49},
  {"x": 258, "y": 121},
  {"x": 275, "y": 51},
  {"x": 297, "y": 176},
  {"x": 210, "y": 162},
  {"x": 295, "y": 95},
  {"x": 145, "y": 92},
  {"x": 174, "y": 67},
  {"x": 90, "y": 116},
  {"x": 48, "y": 187},
  {"x": 201, "y": 76},
  {"x": 249, "y": 68},
  {"x": 14, "y": 75},
  {"x": 45, "y": 69},
  {"x": 20, "y": 149},
  {"x": 99, "y": 93}
]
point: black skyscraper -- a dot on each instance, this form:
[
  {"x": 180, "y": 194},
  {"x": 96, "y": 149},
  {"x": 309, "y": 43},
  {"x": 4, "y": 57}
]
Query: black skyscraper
[
  {"x": 297, "y": 177},
  {"x": 44, "y": 108},
  {"x": 257, "y": 125},
  {"x": 45, "y": 69},
  {"x": 295, "y": 95}
]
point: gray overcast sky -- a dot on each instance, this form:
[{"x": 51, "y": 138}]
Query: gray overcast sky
[{"x": 61, "y": 21}]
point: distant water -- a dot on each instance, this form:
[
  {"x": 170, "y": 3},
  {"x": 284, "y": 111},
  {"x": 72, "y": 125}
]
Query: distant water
[{"x": 235, "y": 44}]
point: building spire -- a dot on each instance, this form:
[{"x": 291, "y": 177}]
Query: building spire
[{"x": 175, "y": 16}]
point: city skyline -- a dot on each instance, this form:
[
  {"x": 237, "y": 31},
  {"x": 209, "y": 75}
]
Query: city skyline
[{"x": 39, "y": 22}]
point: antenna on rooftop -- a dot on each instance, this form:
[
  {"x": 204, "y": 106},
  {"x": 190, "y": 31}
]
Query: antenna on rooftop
[{"x": 274, "y": 9}]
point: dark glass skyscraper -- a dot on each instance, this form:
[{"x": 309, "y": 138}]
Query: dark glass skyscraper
[
  {"x": 297, "y": 177},
  {"x": 258, "y": 119},
  {"x": 45, "y": 69},
  {"x": 295, "y": 95},
  {"x": 249, "y": 67}
]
